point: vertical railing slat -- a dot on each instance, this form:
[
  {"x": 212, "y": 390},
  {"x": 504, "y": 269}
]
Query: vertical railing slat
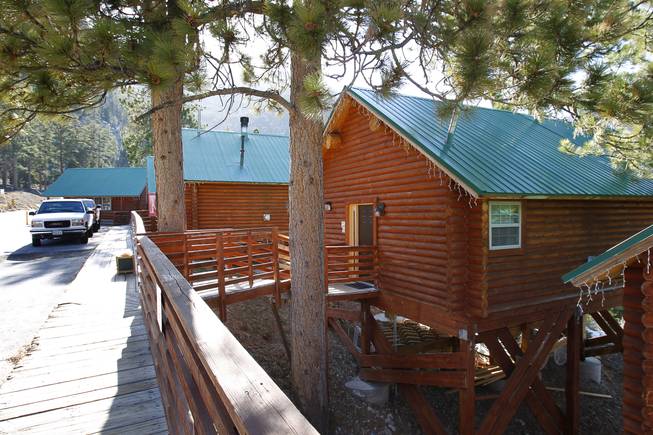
[
  {"x": 250, "y": 266},
  {"x": 219, "y": 249},
  {"x": 275, "y": 265}
]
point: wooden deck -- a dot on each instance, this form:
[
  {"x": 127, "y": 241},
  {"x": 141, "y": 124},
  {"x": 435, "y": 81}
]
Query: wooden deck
[
  {"x": 351, "y": 291},
  {"x": 91, "y": 370}
]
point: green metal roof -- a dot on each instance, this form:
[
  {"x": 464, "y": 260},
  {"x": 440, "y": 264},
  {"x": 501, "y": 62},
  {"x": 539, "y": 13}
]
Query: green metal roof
[
  {"x": 94, "y": 182},
  {"x": 151, "y": 179},
  {"x": 501, "y": 153},
  {"x": 215, "y": 156},
  {"x": 632, "y": 246}
]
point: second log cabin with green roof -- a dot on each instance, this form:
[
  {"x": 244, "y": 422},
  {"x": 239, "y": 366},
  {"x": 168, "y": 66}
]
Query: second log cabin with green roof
[
  {"x": 474, "y": 221},
  {"x": 227, "y": 188}
]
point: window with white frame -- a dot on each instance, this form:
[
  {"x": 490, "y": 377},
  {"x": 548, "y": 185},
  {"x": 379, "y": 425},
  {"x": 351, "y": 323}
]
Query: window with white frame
[
  {"x": 505, "y": 225},
  {"x": 105, "y": 202}
]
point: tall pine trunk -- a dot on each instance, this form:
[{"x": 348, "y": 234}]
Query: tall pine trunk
[
  {"x": 168, "y": 158},
  {"x": 309, "y": 356}
]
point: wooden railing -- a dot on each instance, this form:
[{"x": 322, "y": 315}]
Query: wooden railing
[
  {"x": 228, "y": 265},
  {"x": 346, "y": 264},
  {"x": 209, "y": 383},
  {"x": 283, "y": 254},
  {"x": 149, "y": 222}
]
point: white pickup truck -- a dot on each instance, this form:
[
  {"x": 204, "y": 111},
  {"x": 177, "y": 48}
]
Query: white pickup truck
[{"x": 57, "y": 218}]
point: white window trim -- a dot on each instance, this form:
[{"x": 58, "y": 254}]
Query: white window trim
[
  {"x": 103, "y": 201},
  {"x": 518, "y": 225}
]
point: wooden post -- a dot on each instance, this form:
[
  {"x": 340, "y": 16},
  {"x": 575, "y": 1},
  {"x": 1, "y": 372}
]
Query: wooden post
[
  {"x": 574, "y": 338},
  {"x": 194, "y": 209},
  {"x": 250, "y": 268},
  {"x": 219, "y": 259},
  {"x": 525, "y": 336},
  {"x": 365, "y": 327},
  {"x": 275, "y": 265},
  {"x": 185, "y": 248},
  {"x": 326, "y": 272},
  {"x": 467, "y": 396}
]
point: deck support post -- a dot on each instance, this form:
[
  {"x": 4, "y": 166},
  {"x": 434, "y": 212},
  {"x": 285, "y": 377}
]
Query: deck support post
[
  {"x": 574, "y": 342},
  {"x": 365, "y": 327},
  {"x": 467, "y": 396}
]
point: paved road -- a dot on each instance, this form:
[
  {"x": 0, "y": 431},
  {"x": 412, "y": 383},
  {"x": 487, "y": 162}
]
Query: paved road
[{"x": 31, "y": 281}]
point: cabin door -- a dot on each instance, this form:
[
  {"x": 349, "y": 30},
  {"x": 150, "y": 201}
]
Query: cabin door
[{"x": 361, "y": 225}]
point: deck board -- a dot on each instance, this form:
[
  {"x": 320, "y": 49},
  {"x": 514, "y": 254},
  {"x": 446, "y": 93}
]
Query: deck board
[{"x": 91, "y": 370}]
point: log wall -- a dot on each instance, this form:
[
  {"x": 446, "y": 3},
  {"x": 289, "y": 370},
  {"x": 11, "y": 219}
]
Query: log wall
[
  {"x": 236, "y": 205},
  {"x": 557, "y": 236},
  {"x": 634, "y": 345},
  {"x": 422, "y": 238},
  {"x": 129, "y": 203}
]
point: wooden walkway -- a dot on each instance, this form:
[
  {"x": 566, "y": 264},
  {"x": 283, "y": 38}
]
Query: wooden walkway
[{"x": 91, "y": 370}]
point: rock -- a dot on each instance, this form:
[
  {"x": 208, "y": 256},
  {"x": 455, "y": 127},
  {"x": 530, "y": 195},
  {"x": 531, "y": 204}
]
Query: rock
[
  {"x": 373, "y": 392},
  {"x": 591, "y": 369}
]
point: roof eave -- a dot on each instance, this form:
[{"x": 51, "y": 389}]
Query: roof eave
[
  {"x": 450, "y": 172},
  {"x": 623, "y": 253}
]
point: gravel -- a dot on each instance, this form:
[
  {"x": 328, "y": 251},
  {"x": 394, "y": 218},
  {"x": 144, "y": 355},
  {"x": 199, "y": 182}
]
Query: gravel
[{"x": 253, "y": 324}]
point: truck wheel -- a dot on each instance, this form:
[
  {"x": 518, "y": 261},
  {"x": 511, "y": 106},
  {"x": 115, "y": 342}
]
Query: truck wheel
[
  {"x": 36, "y": 241},
  {"x": 84, "y": 239},
  {"x": 89, "y": 233}
]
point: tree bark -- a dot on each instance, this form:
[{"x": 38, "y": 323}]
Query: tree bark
[
  {"x": 168, "y": 158},
  {"x": 309, "y": 356}
]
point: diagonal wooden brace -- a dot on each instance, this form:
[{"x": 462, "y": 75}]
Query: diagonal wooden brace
[{"x": 524, "y": 374}]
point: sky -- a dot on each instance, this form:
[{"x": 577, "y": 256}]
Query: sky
[{"x": 212, "y": 114}]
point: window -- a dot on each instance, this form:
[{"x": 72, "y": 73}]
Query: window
[
  {"x": 105, "y": 202},
  {"x": 505, "y": 225}
]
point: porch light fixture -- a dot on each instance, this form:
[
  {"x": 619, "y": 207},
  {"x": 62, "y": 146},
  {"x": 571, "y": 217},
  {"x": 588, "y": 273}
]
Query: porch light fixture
[
  {"x": 379, "y": 209},
  {"x": 266, "y": 217},
  {"x": 327, "y": 206}
]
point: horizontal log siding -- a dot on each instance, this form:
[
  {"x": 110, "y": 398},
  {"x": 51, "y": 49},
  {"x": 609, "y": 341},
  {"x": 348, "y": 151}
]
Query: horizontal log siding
[
  {"x": 236, "y": 205},
  {"x": 557, "y": 236},
  {"x": 129, "y": 203},
  {"x": 422, "y": 238}
]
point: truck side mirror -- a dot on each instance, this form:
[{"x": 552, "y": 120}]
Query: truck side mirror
[
  {"x": 90, "y": 212},
  {"x": 32, "y": 213}
]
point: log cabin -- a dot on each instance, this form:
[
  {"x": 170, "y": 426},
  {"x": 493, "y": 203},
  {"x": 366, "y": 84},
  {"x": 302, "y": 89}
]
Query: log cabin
[
  {"x": 473, "y": 219},
  {"x": 117, "y": 190},
  {"x": 625, "y": 267},
  {"x": 232, "y": 179}
]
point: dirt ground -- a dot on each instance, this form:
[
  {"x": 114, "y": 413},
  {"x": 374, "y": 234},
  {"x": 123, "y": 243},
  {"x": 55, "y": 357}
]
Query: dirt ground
[
  {"x": 19, "y": 201},
  {"x": 254, "y": 325}
]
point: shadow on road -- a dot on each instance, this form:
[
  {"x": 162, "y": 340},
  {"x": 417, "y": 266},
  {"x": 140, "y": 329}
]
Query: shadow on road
[
  {"x": 60, "y": 270},
  {"x": 56, "y": 248}
]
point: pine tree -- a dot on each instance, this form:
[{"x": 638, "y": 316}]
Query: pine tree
[
  {"x": 584, "y": 60},
  {"x": 61, "y": 56},
  {"x": 537, "y": 56}
]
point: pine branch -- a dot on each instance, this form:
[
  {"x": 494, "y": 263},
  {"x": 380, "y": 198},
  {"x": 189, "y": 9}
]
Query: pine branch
[{"x": 270, "y": 95}]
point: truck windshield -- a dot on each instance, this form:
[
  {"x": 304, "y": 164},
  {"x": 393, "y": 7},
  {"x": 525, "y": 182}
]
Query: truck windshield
[{"x": 61, "y": 207}]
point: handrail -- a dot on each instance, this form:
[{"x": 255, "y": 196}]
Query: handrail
[
  {"x": 138, "y": 226},
  {"x": 222, "y": 262},
  {"x": 350, "y": 263},
  {"x": 210, "y": 231},
  {"x": 209, "y": 382}
]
